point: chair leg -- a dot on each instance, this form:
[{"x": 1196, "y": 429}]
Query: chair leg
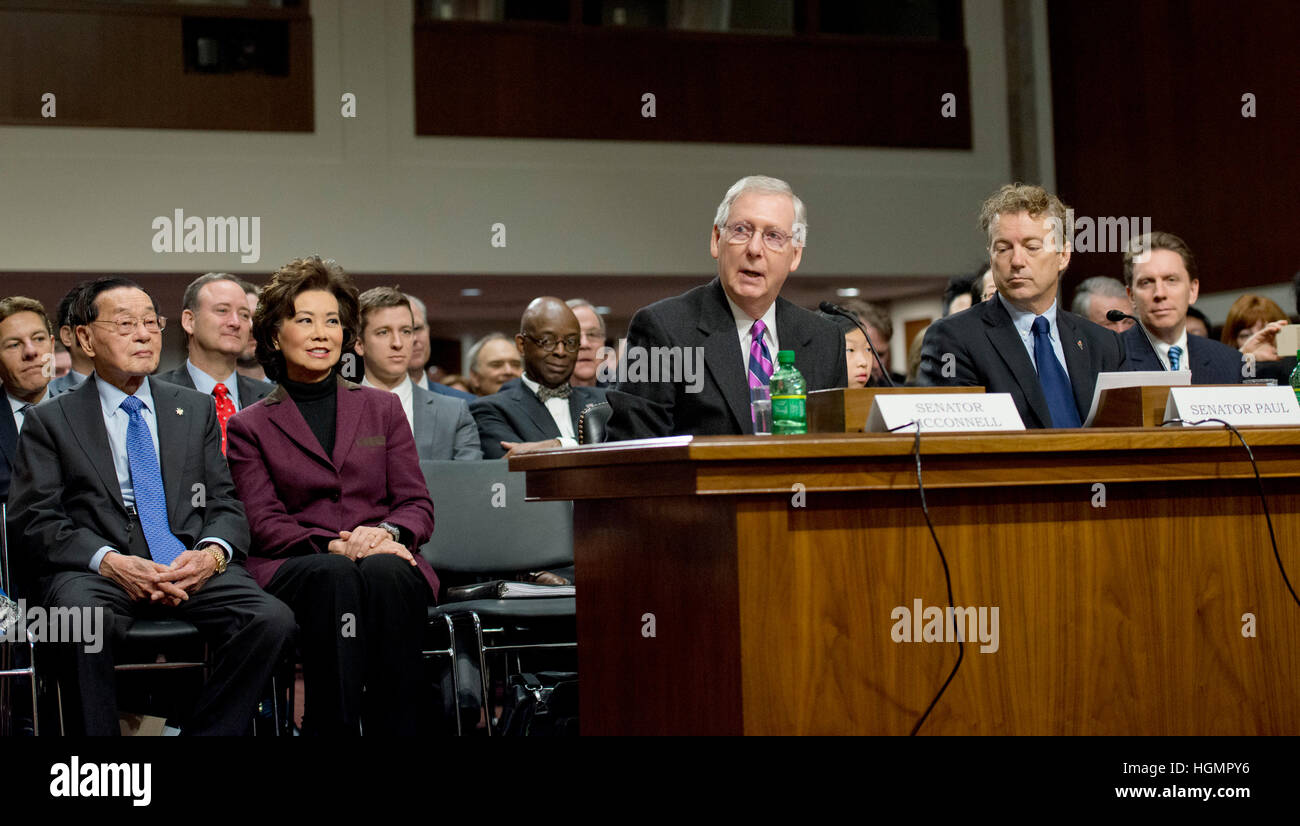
[
  {"x": 455, "y": 678},
  {"x": 484, "y": 678}
]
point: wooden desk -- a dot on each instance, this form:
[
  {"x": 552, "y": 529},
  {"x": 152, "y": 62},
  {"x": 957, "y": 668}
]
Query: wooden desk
[{"x": 772, "y": 613}]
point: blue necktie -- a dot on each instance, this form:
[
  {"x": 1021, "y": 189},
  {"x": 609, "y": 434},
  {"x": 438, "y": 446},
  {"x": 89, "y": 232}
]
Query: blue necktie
[
  {"x": 760, "y": 359},
  {"x": 1056, "y": 385},
  {"x": 1175, "y": 357},
  {"x": 146, "y": 479}
]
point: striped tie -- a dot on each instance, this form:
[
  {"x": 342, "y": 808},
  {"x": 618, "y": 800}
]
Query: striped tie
[
  {"x": 1175, "y": 357},
  {"x": 760, "y": 360}
]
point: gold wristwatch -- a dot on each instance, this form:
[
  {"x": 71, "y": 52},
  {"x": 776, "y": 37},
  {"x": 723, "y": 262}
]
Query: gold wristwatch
[{"x": 219, "y": 555}]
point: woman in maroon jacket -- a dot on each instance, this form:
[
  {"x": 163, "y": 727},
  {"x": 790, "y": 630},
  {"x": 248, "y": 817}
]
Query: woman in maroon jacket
[{"x": 328, "y": 473}]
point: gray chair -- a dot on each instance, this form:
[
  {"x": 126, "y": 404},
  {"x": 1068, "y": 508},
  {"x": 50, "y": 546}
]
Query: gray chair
[{"x": 483, "y": 526}]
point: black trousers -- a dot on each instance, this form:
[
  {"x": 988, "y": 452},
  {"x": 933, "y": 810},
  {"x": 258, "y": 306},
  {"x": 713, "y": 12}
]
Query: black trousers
[
  {"x": 246, "y": 629},
  {"x": 361, "y": 626}
]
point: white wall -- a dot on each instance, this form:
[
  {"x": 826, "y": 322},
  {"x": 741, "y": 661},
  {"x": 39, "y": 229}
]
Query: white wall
[{"x": 372, "y": 195}]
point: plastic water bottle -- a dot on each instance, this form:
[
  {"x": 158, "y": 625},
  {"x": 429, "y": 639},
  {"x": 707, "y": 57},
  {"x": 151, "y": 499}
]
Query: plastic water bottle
[
  {"x": 1295, "y": 377},
  {"x": 789, "y": 394}
]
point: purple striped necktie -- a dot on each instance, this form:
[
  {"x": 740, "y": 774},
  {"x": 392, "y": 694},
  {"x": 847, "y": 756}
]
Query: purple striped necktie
[{"x": 760, "y": 360}]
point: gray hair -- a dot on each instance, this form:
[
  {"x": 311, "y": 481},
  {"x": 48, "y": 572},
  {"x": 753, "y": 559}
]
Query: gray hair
[
  {"x": 1097, "y": 285},
  {"x": 417, "y": 304},
  {"x": 190, "y": 301},
  {"x": 471, "y": 358},
  {"x": 574, "y": 303},
  {"x": 773, "y": 186}
]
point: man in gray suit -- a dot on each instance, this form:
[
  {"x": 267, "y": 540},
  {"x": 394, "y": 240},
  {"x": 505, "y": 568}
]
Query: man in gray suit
[
  {"x": 217, "y": 324},
  {"x": 443, "y": 427},
  {"x": 82, "y": 366}
]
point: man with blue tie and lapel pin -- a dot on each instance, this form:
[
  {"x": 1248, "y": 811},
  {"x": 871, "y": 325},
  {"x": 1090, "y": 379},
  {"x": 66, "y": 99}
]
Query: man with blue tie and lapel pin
[
  {"x": 1020, "y": 341},
  {"x": 121, "y": 501},
  {"x": 1160, "y": 274}
]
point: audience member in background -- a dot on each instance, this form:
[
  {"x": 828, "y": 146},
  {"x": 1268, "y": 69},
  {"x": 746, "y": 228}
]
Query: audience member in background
[
  {"x": 881, "y": 329},
  {"x": 62, "y": 361},
  {"x": 731, "y": 329},
  {"x": 914, "y": 356},
  {"x": 81, "y": 365},
  {"x": 1097, "y": 296},
  {"x": 983, "y": 288},
  {"x": 593, "y": 338},
  {"x": 1162, "y": 283},
  {"x": 1252, "y": 326},
  {"x": 856, "y": 352},
  {"x": 26, "y": 355},
  {"x": 420, "y": 350},
  {"x": 1197, "y": 323},
  {"x": 1280, "y": 370},
  {"x": 541, "y": 408},
  {"x": 493, "y": 361},
  {"x": 337, "y": 506},
  {"x": 957, "y": 295},
  {"x": 217, "y": 326},
  {"x": 1021, "y": 342},
  {"x": 247, "y": 363},
  {"x": 443, "y": 427},
  {"x": 457, "y": 382},
  {"x": 103, "y": 505}
]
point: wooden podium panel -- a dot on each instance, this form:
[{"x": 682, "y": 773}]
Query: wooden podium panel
[{"x": 772, "y": 604}]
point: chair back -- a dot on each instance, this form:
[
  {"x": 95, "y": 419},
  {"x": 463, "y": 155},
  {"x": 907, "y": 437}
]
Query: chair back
[
  {"x": 482, "y": 524},
  {"x": 592, "y": 422}
]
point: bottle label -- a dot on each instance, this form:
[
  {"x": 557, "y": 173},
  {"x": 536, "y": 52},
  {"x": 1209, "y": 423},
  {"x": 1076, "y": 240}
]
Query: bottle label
[{"x": 789, "y": 408}]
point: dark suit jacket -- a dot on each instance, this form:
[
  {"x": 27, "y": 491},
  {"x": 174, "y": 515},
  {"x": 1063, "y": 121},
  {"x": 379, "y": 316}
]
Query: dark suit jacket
[
  {"x": 450, "y": 392},
  {"x": 702, "y": 318},
  {"x": 251, "y": 391},
  {"x": 515, "y": 414},
  {"x": 1210, "y": 361},
  {"x": 8, "y": 447},
  {"x": 987, "y": 350},
  {"x": 298, "y": 498},
  {"x": 444, "y": 428},
  {"x": 65, "y": 501}
]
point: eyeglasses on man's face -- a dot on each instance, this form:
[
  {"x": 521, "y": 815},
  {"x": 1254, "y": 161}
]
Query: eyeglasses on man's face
[
  {"x": 549, "y": 343},
  {"x": 741, "y": 232},
  {"x": 127, "y": 326}
]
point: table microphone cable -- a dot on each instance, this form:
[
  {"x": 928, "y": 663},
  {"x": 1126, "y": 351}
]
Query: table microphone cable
[
  {"x": 947, "y": 577},
  {"x": 1259, "y": 483}
]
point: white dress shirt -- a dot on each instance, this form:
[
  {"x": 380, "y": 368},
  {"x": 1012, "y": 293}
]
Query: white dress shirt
[
  {"x": 115, "y": 422},
  {"x": 404, "y": 394},
  {"x": 16, "y": 407},
  {"x": 1025, "y": 326},
  {"x": 1162, "y": 349},
  {"x": 745, "y": 327},
  {"x": 559, "y": 410},
  {"x": 206, "y": 384}
]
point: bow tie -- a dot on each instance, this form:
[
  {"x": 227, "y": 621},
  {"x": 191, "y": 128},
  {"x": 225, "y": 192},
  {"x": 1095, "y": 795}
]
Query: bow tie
[{"x": 545, "y": 393}]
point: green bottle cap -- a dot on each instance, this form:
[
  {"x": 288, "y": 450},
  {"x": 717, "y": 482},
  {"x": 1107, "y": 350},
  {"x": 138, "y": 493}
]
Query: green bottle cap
[{"x": 785, "y": 357}]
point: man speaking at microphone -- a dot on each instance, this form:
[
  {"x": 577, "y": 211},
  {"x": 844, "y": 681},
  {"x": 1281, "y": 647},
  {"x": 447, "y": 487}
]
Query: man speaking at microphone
[{"x": 1160, "y": 274}]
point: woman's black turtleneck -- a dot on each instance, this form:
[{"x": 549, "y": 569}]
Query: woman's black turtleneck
[{"x": 318, "y": 403}]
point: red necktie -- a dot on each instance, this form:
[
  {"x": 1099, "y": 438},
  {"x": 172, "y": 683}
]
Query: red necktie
[{"x": 225, "y": 409}]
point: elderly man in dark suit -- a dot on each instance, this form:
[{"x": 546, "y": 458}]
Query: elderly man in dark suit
[
  {"x": 1020, "y": 341},
  {"x": 1160, "y": 274},
  {"x": 218, "y": 326},
  {"x": 541, "y": 408},
  {"x": 731, "y": 328},
  {"x": 121, "y": 501}
]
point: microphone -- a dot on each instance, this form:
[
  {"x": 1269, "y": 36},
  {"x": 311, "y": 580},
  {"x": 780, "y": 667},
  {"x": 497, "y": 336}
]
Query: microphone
[
  {"x": 835, "y": 309},
  {"x": 1119, "y": 315}
]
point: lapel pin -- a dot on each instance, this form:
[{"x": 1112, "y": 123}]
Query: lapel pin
[
  {"x": 180, "y": 412},
  {"x": 1080, "y": 343}
]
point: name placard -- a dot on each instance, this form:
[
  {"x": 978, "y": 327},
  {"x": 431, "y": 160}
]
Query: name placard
[
  {"x": 1245, "y": 405},
  {"x": 944, "y": 412}
]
